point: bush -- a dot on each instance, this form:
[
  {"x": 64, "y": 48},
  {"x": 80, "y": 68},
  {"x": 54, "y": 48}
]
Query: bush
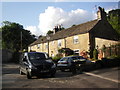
[
  {"x": 95, "y": 54},
  {"x": 114, "y": 57},
  {"x": 57, "y": 58}
]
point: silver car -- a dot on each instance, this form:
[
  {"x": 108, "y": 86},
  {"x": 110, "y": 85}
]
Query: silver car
[{"x": 72, "y": 63}]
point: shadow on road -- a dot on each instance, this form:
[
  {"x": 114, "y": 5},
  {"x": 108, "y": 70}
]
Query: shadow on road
[{"x": 10, "y": 69}]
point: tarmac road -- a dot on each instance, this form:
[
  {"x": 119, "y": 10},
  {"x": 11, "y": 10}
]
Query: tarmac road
[{"x": 102, "y": 78}]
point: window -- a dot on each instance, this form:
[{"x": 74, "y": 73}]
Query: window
[
  {"x": 59, "y": 43},
  {"x": 53, "y": 42},
  {"x": 38, "y": 46},
  {"x": 46, "y": 46},
  {"x": 75, "y": 40},
  {"x": 76, "y": 52},
  {"x": 37, "y": 56}
]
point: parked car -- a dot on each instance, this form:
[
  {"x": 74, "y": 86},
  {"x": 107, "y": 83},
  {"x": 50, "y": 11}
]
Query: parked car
[
  {"x": 72, "y": 63},
  {"x": 36, "y": 64}
]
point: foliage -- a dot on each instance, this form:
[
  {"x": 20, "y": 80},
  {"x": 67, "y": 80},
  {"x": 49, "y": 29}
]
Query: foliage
[
  {"x": 57, "y": 58},
  {"x": 114, "y": 19},
  {"x": 49, "y": 32},
  {"x": 73, "y": 25},
  {"x": 62, "y": 28},
  {"x": 61, "y": 51},
  {"x": 11, "y": 36},
  {"x": 84, "y": 54},
  {"x": 114, "y": 57},
  {"x": 95, "y": 54}
]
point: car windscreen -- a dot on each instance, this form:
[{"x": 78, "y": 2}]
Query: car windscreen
[
  {"x": 74, "y": 58},
  {"x": 37, "y": 56},
  {"x": 77, "y": 58},
  {"x": 64, "y": 59}
]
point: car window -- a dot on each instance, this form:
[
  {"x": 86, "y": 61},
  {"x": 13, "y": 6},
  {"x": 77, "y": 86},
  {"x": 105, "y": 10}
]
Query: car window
[
  {"x": 74, "y": 58},
  {"x": 80, "y": 57},
  {"x": 37, "y": 56},
  {"x": 64, "y": 59}
]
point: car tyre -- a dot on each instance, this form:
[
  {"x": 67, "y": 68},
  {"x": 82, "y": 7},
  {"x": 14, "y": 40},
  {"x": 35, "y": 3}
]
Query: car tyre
[
  {"x": 29, "y": 75},
  {"x": 21, "y": 73},
  {"x": 52, "y": 75}
]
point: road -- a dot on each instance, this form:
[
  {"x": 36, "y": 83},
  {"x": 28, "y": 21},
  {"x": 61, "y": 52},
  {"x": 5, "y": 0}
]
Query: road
[{"x": 102, "y": 78}]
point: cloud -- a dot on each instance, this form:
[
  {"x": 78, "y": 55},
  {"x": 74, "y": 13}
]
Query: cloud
[
  {"x": 34, "y": 30},
  {"x": 111, "y": 8},
  {"x": 54, "y": 15}
]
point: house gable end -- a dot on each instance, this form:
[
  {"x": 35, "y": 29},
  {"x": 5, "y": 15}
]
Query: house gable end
[{"x": 104, "y": 30}]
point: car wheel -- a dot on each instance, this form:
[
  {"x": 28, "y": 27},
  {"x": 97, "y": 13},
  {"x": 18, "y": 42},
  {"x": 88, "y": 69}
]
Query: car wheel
[
  {"x": 21, "y": 73},
  {"x": 53, "y": 74},
  {"x": 29, "y": 76}
]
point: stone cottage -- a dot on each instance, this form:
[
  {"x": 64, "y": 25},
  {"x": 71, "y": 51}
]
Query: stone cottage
[{"x": 86, "y": 36}]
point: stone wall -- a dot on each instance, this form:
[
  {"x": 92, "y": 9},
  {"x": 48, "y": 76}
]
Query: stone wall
[
  {"x": 100, "y": 42},
  {"x": 6, "y": 55}
]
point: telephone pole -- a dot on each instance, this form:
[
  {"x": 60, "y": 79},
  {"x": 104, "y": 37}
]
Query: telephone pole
[{"x": 21, "y": 41}]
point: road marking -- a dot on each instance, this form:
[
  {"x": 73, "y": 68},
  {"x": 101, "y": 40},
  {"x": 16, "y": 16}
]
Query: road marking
[{"x": 102, "y": 77}]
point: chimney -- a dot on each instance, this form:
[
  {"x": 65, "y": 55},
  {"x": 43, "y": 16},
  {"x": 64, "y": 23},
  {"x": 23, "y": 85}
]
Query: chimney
[
  {"x": 57, "y": 28},
  {"x": 101, "y": 14}
]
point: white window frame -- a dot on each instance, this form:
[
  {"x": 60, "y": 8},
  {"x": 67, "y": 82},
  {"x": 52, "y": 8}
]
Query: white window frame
[
  {"x": 38, "y": 46},
  {"x": 53, "y": 42},
  {"x": 46, "y": 45},
  {"x": 59, "y": 43},
  {"x": 75, "y": 39},
  {"x": 77, "y": 51}
]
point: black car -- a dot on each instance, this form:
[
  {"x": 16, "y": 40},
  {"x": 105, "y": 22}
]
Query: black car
[{"x": 36, "y": 64}]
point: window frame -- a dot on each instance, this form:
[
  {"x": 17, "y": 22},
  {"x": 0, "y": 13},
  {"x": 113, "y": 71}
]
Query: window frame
[{"x": 76, "y": 39}]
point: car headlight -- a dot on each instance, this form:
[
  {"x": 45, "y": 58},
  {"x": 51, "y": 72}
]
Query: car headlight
[
  {"x": 53, "y": 66},
  {"x": 32, "y": 67}
]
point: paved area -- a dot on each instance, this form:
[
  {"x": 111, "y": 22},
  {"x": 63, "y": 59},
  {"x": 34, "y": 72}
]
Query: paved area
[{"x": 102, "y": 78}]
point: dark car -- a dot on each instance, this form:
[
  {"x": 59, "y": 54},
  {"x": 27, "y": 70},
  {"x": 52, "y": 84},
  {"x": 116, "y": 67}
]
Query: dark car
[
  {"x": 72, "y": 63},
  {"x": 36, "y": 64}
]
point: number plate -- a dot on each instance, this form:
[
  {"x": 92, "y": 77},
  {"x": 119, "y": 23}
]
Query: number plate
[{"x": 45, "y": 71}]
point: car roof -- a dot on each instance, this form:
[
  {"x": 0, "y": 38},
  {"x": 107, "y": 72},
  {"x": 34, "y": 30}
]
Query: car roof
[
  {"x": 35, "y": 52},
  {"x": 73, "y": 56}
]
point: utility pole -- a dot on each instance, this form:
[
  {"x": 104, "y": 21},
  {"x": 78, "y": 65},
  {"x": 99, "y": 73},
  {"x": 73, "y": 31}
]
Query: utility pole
[{"x": 21, "y": 41}]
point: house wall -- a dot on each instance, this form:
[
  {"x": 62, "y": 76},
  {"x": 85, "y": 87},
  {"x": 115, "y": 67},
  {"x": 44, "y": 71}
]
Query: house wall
[
  {"x": 100, "y": 42},
  {"x": 54, "y": 47},
  {"x": 83, "y": 42},
  {"x": 33, "y": 48}
]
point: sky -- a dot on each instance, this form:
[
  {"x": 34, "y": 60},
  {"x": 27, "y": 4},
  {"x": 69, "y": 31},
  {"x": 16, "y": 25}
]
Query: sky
[{"x": 39, "y": 17}]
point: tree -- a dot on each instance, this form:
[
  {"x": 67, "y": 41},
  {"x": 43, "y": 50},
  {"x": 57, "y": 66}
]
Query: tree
[
  {"x": 73, "y": 25},
  {"x": 49, "y": 32},
  {"x": 11, "y": 36},
  {"x": 114, "y": 19}
]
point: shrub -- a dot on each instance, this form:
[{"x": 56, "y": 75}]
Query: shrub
[
  {"x": 95, "y": 54},
  {"x": 57, "y": 58}
]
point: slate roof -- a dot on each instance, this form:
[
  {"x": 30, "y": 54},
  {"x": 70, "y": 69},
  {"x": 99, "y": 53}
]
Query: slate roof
[{"x": 74, "y": 30}]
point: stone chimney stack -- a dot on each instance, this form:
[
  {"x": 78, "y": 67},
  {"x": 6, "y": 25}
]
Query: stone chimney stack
[
  {"x": 101, "y": 14},
  {"x": 57, "y": 28}
]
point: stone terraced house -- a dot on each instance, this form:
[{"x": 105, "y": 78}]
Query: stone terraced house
[{"x": 86, "y": 36}]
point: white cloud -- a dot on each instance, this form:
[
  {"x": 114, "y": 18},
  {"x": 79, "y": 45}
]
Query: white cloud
[
  {"x": 53, "y": 16},
  {"x": 111, "y": 8},
  {"x": 34, "y": 30}
]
